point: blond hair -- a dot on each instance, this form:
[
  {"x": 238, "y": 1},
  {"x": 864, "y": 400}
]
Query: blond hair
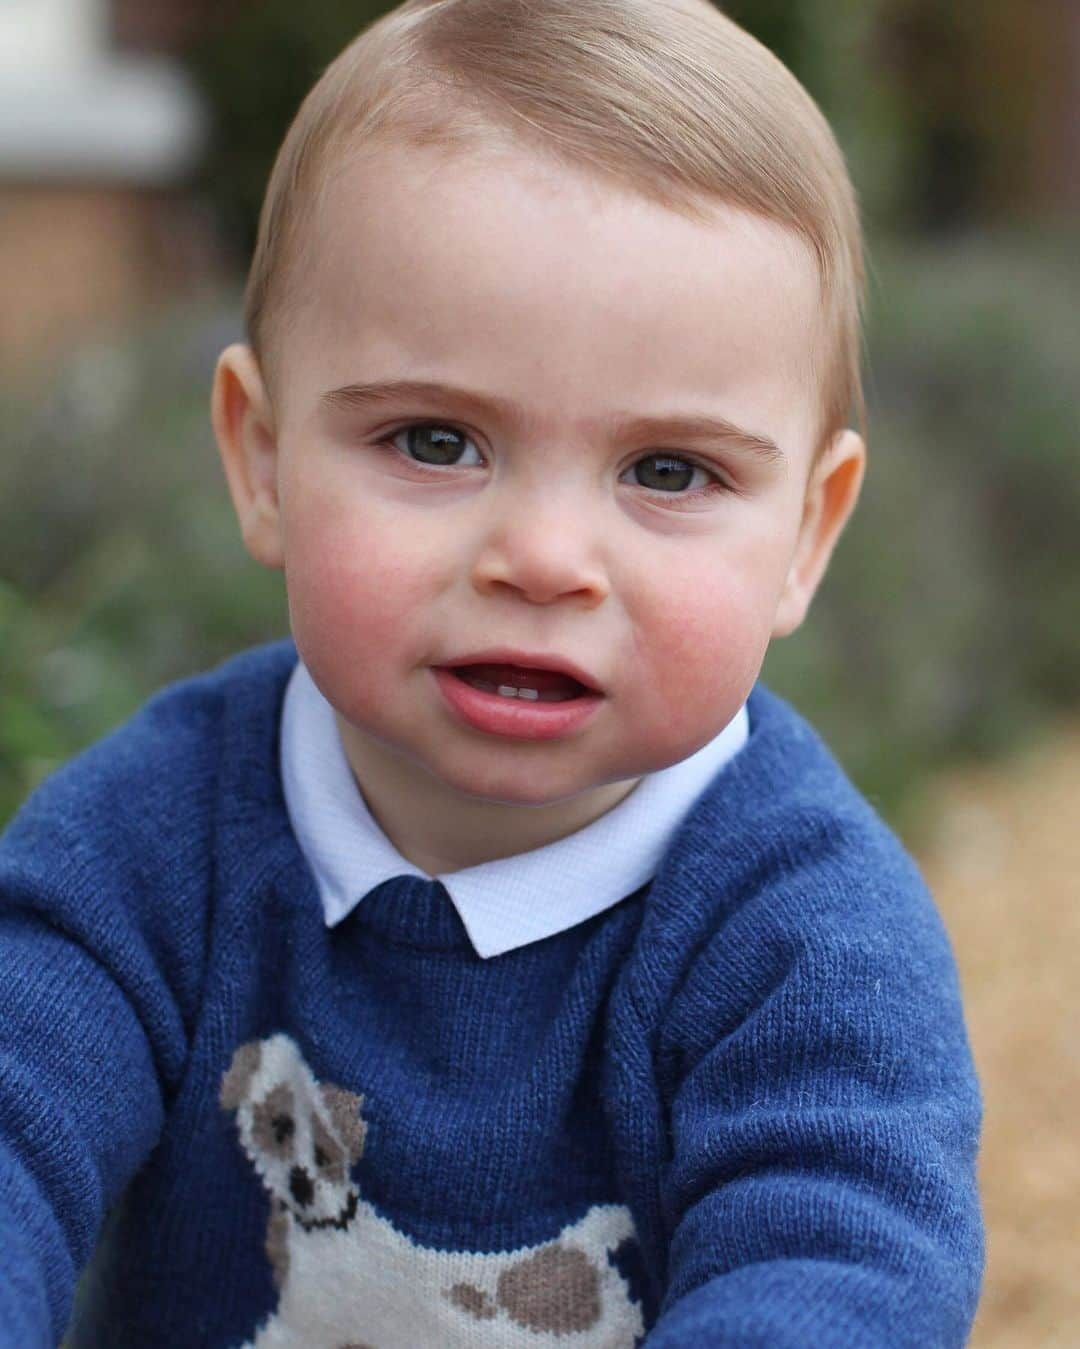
[{"x": 670, "y": 97}]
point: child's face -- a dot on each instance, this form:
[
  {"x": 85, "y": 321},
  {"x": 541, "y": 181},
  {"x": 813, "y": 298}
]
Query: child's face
[{"x": 539, "y": 318}]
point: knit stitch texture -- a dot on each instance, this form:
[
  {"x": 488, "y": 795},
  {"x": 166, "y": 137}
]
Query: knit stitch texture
[{"x": 737, "y": 1109}]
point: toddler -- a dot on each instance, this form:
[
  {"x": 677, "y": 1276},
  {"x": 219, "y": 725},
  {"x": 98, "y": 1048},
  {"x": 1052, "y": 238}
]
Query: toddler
[{"x": 497, "y": 962}]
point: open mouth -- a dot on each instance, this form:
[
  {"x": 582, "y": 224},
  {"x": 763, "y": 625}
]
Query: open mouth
[
  {"x": 518, "y": 701},
  {"x": 515, "y": 681}
]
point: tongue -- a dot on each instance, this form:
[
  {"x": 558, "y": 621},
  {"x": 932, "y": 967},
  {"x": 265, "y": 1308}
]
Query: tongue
[{"x": 515, "y": 677}]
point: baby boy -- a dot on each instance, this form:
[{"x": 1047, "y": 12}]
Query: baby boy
[{"x": 497, "y": 963}]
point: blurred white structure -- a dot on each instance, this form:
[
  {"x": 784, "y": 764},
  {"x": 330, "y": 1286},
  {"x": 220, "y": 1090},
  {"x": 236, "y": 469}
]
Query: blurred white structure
[
  {"x": 54, "y": 35},
  {"x": 95, "y": 148},
  {"x": 69, "y": 107}
]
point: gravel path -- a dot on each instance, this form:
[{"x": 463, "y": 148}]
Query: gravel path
[{"x": 1004, "y": 865}]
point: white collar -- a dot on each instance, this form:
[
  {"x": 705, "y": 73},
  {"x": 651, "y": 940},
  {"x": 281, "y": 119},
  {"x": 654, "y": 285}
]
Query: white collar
[{"x": 503, "y": 904}]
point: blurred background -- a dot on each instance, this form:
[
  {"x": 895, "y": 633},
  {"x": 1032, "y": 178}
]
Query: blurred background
[{"x": 942, "y": 660}]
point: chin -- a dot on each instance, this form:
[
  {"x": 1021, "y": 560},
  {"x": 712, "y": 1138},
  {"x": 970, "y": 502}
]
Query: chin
[{"x": 517, "y": 788}]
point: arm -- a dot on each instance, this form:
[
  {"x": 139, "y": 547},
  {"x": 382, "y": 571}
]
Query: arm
[
  {"x": 92, "y": 1040},
  {"x": 80, "y": 1106},
  {"x": 825, "y": 1117}
]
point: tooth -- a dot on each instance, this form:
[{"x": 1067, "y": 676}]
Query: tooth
[
  {"x": 528, "y": 693},
  {"x": 507, "y": 692}
]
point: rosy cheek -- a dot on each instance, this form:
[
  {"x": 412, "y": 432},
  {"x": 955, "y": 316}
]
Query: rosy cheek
[
  {"x": 700, "y": 652},
  {"x": 352, "y": 588}
]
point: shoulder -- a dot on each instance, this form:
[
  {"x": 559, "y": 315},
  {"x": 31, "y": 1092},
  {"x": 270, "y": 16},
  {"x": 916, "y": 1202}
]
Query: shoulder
[
  {"x": 127, "y": 833},
  {"x": 782, "y": 856},
  {"x": 153, "y": 771},
  {"x": 784, "y": 813},
  {"x": 789, "y": 919}
]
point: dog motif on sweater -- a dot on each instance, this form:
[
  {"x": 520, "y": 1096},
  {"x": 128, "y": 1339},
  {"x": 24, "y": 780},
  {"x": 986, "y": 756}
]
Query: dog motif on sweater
[{"x": 348, "y": 1279}]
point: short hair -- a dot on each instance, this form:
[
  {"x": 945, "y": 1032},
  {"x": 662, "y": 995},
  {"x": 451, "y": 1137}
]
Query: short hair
[{"x": 669, "y": 97}]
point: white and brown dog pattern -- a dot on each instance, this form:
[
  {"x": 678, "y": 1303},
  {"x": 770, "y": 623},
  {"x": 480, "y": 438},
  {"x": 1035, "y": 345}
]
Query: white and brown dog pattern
[{"x": 348, "y": 1279}]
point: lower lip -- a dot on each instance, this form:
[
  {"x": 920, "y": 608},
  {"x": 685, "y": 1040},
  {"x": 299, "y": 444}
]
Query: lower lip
[{"x": 515, "y": 717}]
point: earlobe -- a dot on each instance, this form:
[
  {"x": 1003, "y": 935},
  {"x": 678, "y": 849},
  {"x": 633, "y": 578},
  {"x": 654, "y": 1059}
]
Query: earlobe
[
  {"x": 835, "y": 483},
  {"x": 247, "y": 441}
]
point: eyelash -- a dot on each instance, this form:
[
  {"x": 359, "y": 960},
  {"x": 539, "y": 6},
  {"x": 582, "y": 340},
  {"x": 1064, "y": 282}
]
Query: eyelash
[{"x": 717, "y": 484}]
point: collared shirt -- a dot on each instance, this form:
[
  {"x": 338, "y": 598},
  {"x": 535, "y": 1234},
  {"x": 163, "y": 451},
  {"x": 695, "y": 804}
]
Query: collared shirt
[{"x": 505, "y": 903}]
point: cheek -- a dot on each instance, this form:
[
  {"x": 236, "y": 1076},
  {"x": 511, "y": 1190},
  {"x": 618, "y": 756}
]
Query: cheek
[
  {"x": 699, "y": 653},
  {"x": 353, "y": 582}
]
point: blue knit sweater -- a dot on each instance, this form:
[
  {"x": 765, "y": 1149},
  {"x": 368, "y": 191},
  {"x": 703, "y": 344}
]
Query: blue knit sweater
[{"x": 737, "y": 1109}]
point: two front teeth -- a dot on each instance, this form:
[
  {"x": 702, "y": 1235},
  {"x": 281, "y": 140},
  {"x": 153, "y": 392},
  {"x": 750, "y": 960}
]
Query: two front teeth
[{"x": 505, "y": 691}]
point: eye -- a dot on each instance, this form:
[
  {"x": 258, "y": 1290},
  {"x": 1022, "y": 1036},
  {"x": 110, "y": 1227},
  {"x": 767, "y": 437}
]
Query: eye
[
  {"x": 435, "y": 445},
  {"x": 283, "y": 1128},
  {"x": 672, "y": 474}
]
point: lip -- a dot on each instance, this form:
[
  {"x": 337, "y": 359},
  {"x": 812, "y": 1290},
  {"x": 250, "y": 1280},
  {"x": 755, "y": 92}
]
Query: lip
[
  {"x": 530, "y": 660},
  {"x": 512, "y": 718}
]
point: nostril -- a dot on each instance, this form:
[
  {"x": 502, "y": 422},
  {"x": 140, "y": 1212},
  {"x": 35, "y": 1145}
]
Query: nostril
[{"x": 300, "y": 1186}]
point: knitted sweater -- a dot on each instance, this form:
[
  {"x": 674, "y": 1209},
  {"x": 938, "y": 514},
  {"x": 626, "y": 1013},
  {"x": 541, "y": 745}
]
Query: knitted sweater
[{"x": 736, "y": 1109}]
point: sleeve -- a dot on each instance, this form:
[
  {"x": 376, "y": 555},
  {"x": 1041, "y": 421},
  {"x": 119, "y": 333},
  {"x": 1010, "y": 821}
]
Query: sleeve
[
  {"x": 91, "y": 1042},
  {"x": 825, "y": 1114}
]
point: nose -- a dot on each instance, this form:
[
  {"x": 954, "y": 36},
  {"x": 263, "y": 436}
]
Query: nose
[
  {"x": 300, "y": 1186},
  {"x": 543, "y": 554}
]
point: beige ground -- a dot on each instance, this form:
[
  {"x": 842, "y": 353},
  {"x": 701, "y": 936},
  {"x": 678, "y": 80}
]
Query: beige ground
[{"x": 1004, "y": 865}]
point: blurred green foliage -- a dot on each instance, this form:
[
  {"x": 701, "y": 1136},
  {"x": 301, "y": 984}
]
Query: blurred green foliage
[
  {"x": 120, "y": 564},
  {"x": 947, "y": 625}
]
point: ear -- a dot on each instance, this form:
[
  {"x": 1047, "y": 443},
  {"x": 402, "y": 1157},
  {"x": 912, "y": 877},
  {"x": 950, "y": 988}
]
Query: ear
[
  {"x": 244, "y": 425},
  {"x": 831, "y": 494},
  {"x": 344, "y": 1108},
  {"x": 237, "y": 1080}
]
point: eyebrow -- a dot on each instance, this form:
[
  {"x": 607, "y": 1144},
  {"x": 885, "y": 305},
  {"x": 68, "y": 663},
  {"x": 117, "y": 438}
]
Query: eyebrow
[{"x": 691, "y": 426}]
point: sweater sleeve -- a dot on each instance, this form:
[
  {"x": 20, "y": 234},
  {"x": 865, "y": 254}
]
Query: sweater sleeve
[
  {"x": 92, "y": 1034},
  {"x": 80, "y": 1106},
  {"x": 824, "y": 1114}
]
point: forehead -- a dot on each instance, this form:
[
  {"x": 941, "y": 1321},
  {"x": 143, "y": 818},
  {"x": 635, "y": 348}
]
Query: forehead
[{"x": 505, "y": 270}]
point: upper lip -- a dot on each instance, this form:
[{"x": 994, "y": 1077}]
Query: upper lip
[{"x": 529, "y": 660}]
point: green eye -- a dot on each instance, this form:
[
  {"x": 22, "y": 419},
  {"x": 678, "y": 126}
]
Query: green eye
[
  {"x": 439, "y": 446},
  {"x": 664, "y": 473}
]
